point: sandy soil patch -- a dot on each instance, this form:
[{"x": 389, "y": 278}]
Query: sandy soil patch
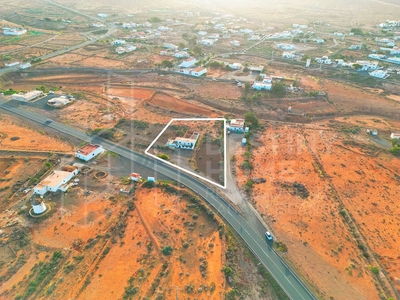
[
  {"x": 330, "y": 169},
  {"x": 100, "y": 62},
  {"x": 207, "y": 89},
  {"x": 15, "y": 136},
  {"x": 174, "y": 103},
  {"x": 133, "y": 92}
]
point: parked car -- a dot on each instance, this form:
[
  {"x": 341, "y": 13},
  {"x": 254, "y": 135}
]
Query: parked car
[
  {"x": 268, "y": 235},
  {"x": 49, "y": 120}
]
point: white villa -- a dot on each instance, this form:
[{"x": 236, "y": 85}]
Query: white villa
[
  {"x": 57, "y": 180},
  {"x": 381, "y": 74},
  {"x": 288, "y": 55},
  {"x": 14, "y": 31},
  {"x": 236, "y": 125},
  {"x": 182, "y": 54},
  {"x": 186, "y": 142},
  {"x": 285, "y": 46},
  {"x": 259, "y": 85},
  {"x": 187, "y": 63}
]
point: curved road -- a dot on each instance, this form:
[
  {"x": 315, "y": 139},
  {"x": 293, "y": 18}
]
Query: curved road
[{"x": 289, "y": 282}]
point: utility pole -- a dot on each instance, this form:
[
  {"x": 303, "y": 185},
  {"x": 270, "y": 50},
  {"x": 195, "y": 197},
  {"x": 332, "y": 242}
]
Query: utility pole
[{"x": 176, "y": 289}]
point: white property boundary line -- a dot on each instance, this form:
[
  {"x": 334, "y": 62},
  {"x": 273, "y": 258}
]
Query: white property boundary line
[{"x": 182, "y": 169}]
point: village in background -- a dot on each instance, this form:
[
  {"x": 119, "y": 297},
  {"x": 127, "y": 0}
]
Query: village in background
[{"x": 291, "y": 116}]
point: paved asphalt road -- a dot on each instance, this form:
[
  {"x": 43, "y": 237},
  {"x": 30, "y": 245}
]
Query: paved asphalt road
[{"x": 258, "y": 245}]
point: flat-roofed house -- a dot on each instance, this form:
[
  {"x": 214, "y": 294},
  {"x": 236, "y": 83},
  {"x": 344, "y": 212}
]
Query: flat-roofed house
[
  {"x": 186, "y": 142},
  {"x": 236, "y": 125},
  {"x": 58, "y": 180}
]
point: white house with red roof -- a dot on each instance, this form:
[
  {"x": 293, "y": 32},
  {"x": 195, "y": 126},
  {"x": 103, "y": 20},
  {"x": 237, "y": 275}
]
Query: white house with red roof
[
  {"x": 89, "y": 151},
  {"x": 135, "y": 176},
  {"x": 395, "y": 135}
]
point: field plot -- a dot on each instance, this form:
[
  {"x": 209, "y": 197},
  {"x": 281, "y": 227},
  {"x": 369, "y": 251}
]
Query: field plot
[
  {"x": 14, "y": 136},
  {"x": 214, "y": 90},
  {"x": 15, "y": 170},
  {"x": 193, "y": 145},
  {"x": 329, "y": 197},
  {"x": 170, "y": 102}
]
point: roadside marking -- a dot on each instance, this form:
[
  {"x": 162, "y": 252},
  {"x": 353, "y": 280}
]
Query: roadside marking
[{"x": 183, "y": 169}]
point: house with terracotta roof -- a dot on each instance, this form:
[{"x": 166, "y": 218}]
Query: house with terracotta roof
[
  {"x": 395, "y": 135},
  {"x": 89, "y": 151}
]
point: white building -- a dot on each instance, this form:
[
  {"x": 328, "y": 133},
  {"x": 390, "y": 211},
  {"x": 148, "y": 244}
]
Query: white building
[
  {"x": 163, "y": 28},
  {"x": 368, "y": 65},
  {"x": 202, "y": 33},
  {"x": 246, "y": 31},
  {"x": 170, "y": 46},
  {"x": 181, "y": 54},
  {"x": 214, "y": 36},
  {"x": 393, "y": 51},
  {"x": 254, "y": 38},
  {"x": 129, "y": 25},
  {"x": 59, "y": 101},
  {"x": 198, "y": 71},
  {"x": 135, "y": 176},
  {"x": 235, "y": 66},
  {"x": 38, "y": 206},
  {"x": 235, "y": 43},
  {"x": 285, "y": 46},
  {"x": 259, "y": 85},
  {"x": 381, "y": 74},
  {"x": 338, "y": 34},
  {"x": 319, "y": 41},
  {"x": 102, "y": 15},
  {"x": 186, "y": 142},
  {"x": 14, "y": 31},
  {"x": 288, "y": 55},
  {"x": 377, "y": 56},
  {"x": 395, "y": 60},
  {"x": 130, "y": 48},
  {"x": 236, "y": 125},
  {"x": 266, "y": 78},
  {"x": 355, "y": 47},
  {"x": 89, "y": 151},
  {"x": 118, "y": 42},
  {"x": 323, "y": 60},
  {"x": 57, "y": 180},
  {"x": 12, "y": 64},
  {"x": 120, "y": 50},
  {"x": 395, "y": 135},
  {"x": 98, "y": 25},
  {"x": 206, "y": 42},
  {"x": 25, "y": 66},
  {"x": 27, "y": 96},
  {"x": 187, "y": 63}
]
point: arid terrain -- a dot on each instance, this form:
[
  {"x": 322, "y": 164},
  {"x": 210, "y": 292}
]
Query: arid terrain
[
  {"x": 329, "y": 196},
  {"x": 324, "y": 185}
]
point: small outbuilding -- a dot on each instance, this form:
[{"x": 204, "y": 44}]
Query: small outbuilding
[
  {"x": 135, "y": 176},
  {"x": 38, "y": 206}
]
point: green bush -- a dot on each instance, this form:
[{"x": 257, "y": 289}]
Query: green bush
[
  {"x": 167, "y": 250},
  {"x": 395, "y": 151},
  {"x": 163, "y": 156}
]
